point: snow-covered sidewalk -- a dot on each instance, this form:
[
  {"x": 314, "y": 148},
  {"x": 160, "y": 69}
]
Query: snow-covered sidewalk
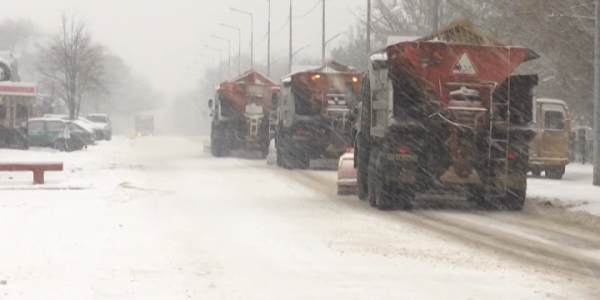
[
  {"x": 92, "y": 168},
  {"x": 574, "y": 191}
]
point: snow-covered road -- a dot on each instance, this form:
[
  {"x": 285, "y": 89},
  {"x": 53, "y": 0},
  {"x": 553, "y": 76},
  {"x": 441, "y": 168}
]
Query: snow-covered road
[{"x": 156, "y": 218}]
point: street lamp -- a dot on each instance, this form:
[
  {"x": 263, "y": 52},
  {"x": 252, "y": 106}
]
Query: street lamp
[
  {"x": 300, "y": 49},
  {"x": 323, "y": 42},
  {"x": 239, "y": 45},
  {"x": 220, "y": 59},
  {"x": 368, "y": 28},
  {"x": 251, "y": 33},
  {"x": 327, "y": 42},
  {"x": 269, "y": 43},
  {"x": 229, "y": 46},
  {"x": 206, "y": 56}
]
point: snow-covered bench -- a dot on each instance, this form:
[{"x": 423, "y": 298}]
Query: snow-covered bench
[{"x": 38, "y": 168}]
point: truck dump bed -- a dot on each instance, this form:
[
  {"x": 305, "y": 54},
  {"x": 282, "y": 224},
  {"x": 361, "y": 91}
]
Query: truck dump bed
[{"x": 250, "y": 87}]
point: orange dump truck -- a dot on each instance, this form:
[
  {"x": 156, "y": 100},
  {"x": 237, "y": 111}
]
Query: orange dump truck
[
  {"x": 241, "y": 114},
  {"x": 316, "y": 114},
  {"x": 445, "y": 114}
]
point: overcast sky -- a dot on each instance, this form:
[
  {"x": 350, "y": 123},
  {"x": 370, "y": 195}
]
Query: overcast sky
[{"x": 162, "y": 39}]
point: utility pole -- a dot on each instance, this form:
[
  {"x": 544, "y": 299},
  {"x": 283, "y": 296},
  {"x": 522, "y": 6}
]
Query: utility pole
[
  {"x": 239, "y": 45},
  {"x": 597, "y": 98},
  {"x": 229, "y": 47},
  {"x": 269, "y": 44},
  {"x": 369, "y": 29},
  {"x": 323, "y": 37},
  {"x": 252, "y": 42},
  {"x": 436, "y": 15},
  {"x": 251, "y": 33},
  {"x": 291, "y": 45},
  {"x": 220, "y": 59}
]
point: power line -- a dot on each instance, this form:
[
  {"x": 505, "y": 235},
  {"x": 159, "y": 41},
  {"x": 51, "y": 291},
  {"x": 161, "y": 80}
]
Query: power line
[
  {"x": 282, "y": 27},
  {"x": 310, "y": 11}
]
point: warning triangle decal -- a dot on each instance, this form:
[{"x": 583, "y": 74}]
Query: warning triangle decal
[{"x": 464, "y": 66}]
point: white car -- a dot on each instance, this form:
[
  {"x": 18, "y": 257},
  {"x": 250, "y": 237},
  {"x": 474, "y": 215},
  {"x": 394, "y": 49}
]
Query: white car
[
  {"x": 272, "y": 156},
  {"x": 98, "y": 128},
  {"x": 104, "y": 120}
]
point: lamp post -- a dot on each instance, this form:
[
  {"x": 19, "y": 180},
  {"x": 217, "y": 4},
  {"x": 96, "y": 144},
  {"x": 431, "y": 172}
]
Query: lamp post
[
  {"x": 239, "y": 45},
  {"x": 269, "y": 43},
  {"x": 229, "y": 46},
  {"x": 220, "y": 59},
  {"x": 251, "y": 34},
  {"x": 436, "y": 15},
  {"x": 327, "y": 42},
  {"x": 291, "y": 54},
  {"x": 323, "y": 42},
  {"x": 211, "y": 58},
  {"x": 596, "y": 162},
  {"x": 368, "y": 29}
]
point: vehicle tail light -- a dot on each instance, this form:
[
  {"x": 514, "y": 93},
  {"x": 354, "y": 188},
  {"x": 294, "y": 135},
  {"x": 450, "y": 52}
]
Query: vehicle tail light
[
  {"x": 402, "y": 150},
  {"x": 302, "y": 132},
  {"x": 511, "y": 156}
]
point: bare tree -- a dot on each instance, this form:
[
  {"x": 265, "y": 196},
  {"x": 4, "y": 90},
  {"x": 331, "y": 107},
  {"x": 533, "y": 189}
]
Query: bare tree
[{"x": 72, "y": 64}]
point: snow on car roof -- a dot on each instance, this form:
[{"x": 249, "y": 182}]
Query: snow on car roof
[
  {"x": 46, "y": 119},
  {"x": 82, "y": 125}
]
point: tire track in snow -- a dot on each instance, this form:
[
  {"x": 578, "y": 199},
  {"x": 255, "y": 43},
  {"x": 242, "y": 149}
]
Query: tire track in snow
[{"x": 532, "y": 238}]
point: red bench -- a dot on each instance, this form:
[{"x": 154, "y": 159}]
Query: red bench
[{"x": 38, "y": 169}]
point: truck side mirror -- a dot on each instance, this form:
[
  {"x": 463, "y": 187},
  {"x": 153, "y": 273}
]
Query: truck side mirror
[{"x": 210, "y": 103}]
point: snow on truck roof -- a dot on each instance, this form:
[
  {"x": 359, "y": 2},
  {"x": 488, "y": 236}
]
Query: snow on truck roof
[
  {"x": 253, "y": 77},
  {"x": 329, "y": 67},
  {"x": 552, "y": 101},
  {"x": 461, "y": 31}
]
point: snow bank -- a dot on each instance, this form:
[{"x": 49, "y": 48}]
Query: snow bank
[{"x": 575, "y": 190}]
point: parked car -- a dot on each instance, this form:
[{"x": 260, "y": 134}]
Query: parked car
[
  {"x": 83, "y": 134},
  {"x": 49, "y": 132},
  {"x": 98, "y": 128},
  {"x": 104, "y": 120}
]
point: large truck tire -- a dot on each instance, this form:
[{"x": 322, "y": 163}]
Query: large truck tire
[
  {"x": 389, "y": 196},
  {"x": 279, "y": 157},
  {"x": 371, "y": 179},
  {"x": 302, "y": 160},
  {"x": 555, "y": 173},
  {"x": 514, "y": 200},
  {"x": 218, "y": 147},
  {"x": 215, "y": 148},
  {"x": 362, "y": 171}
]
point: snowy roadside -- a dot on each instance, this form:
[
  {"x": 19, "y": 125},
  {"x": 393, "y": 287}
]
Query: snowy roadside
[
  {"x": 91, "y": 168},
  {"x": 575, "y": 191}
]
